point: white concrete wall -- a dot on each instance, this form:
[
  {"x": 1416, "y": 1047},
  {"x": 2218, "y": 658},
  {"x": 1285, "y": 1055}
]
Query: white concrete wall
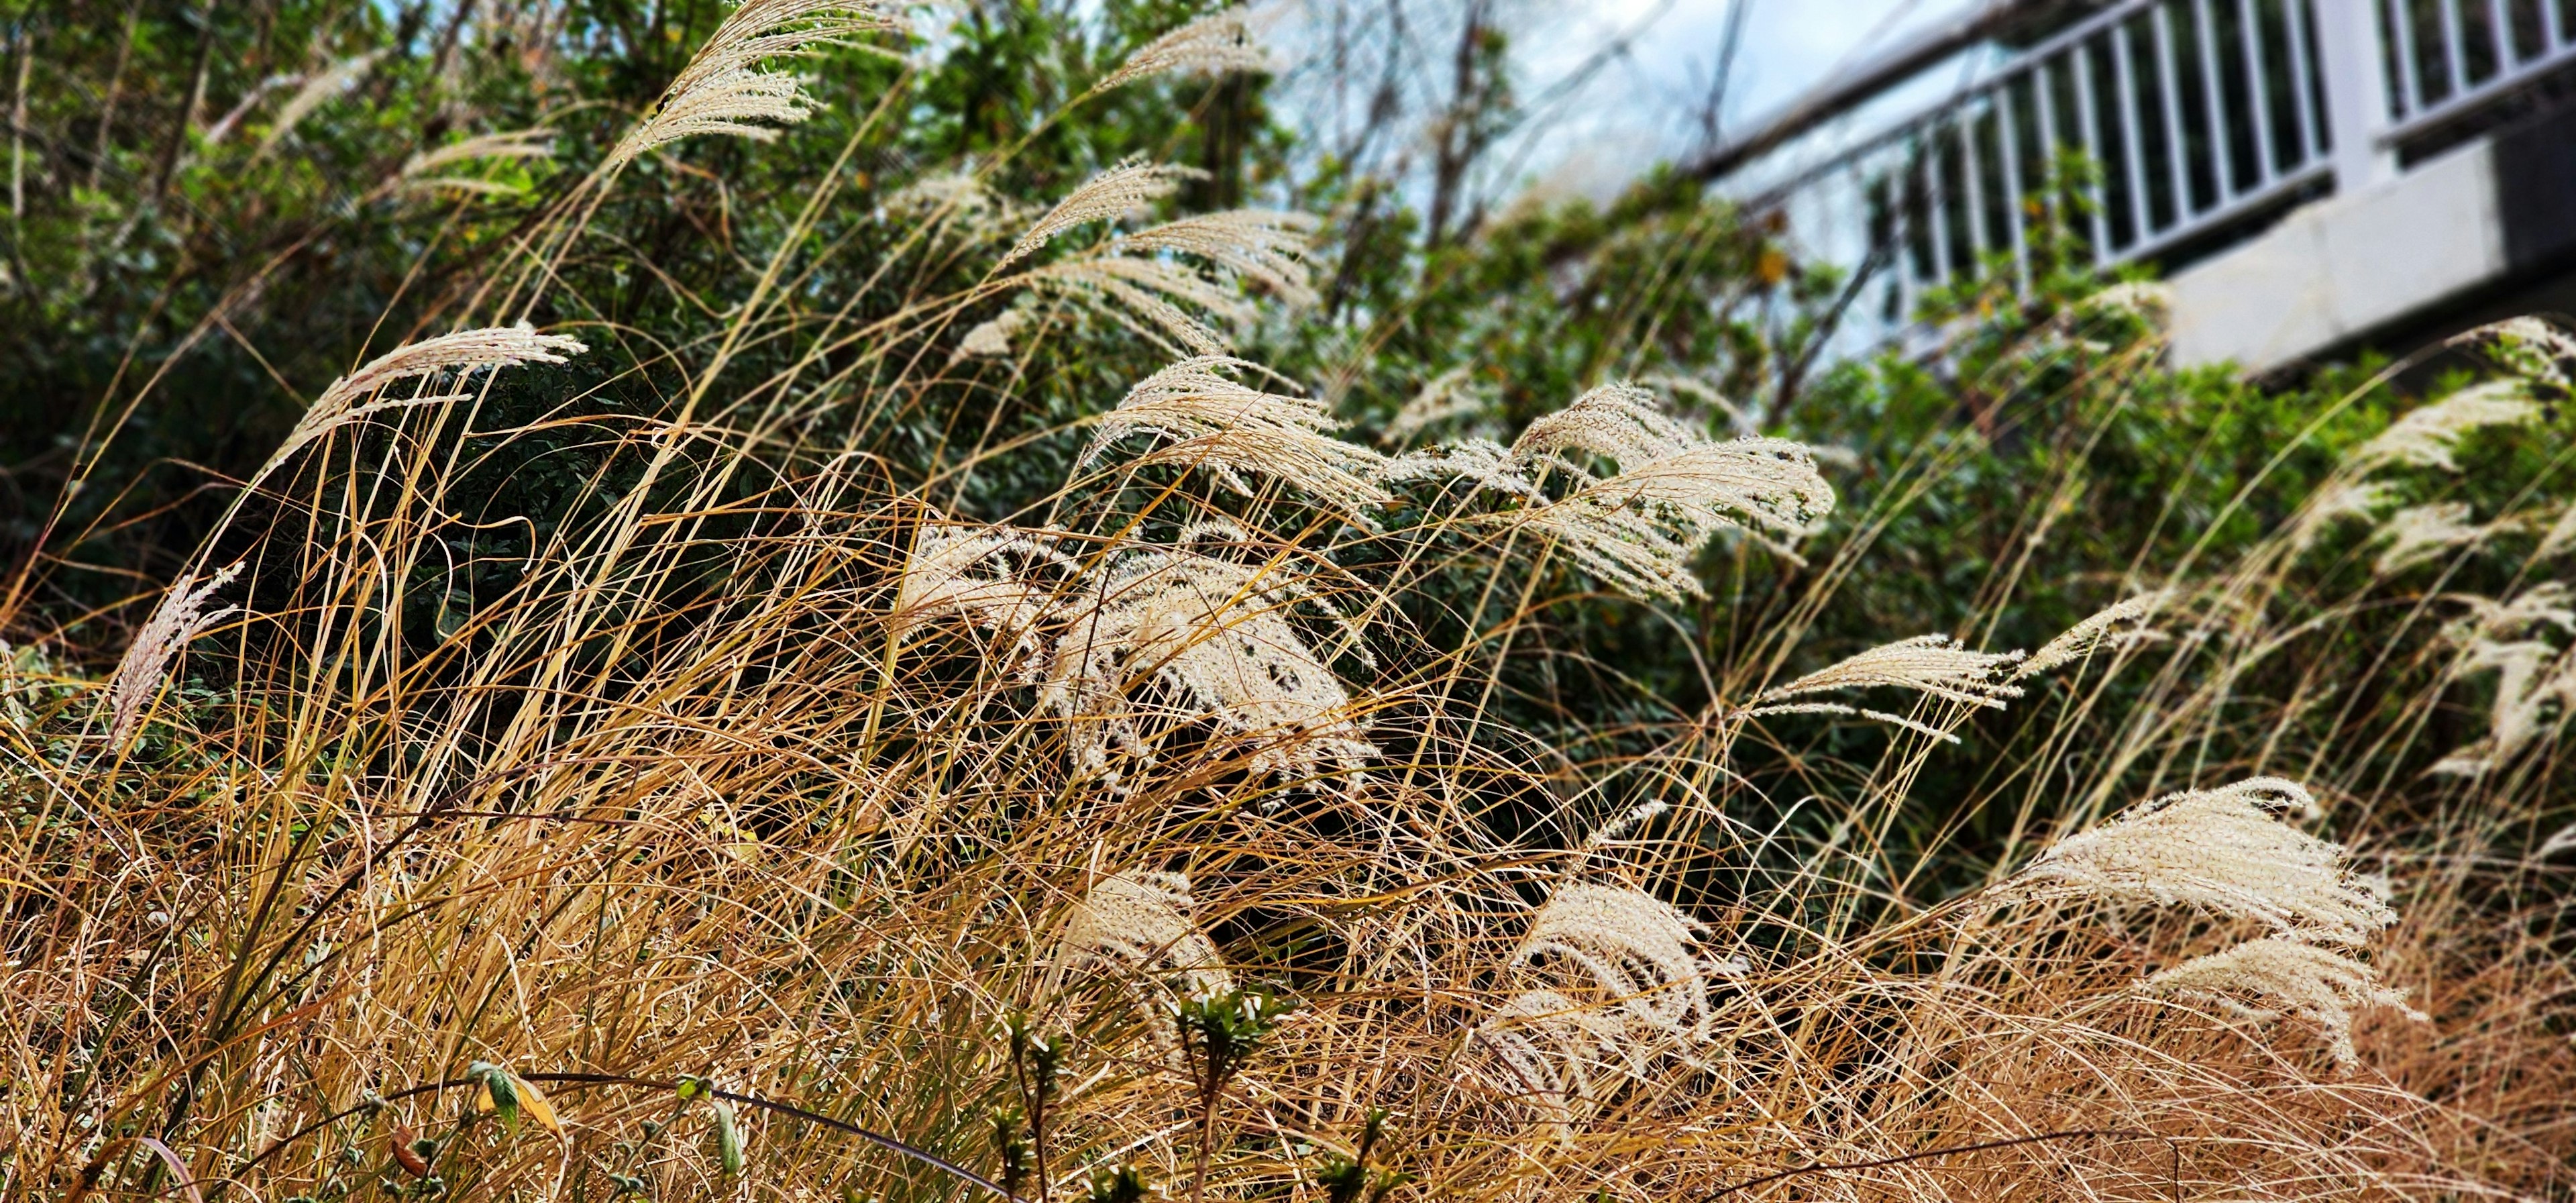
[{"x": 2344, "y": 266}]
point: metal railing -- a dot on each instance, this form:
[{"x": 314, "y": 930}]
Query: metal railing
[
  {"x": 2202, "y": 118},
  {"x": 2450, "y": 56}
]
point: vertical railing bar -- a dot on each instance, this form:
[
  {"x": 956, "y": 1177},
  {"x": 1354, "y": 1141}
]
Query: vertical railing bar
[
  {"x": 2088, "y": 121},
  {"x": 2008, "y": 143},
  {"x": 2124, "y": 92},
  {"x": 1973, "y": 188},
  {"x": 2410, "y": 69},
  {"x": 2454, "y": 47},
  {"x": 2222, "y": 156},
  {"x": 2258, "y": 92},
  {"x": 2303, "y": 78},
  {"x": 2500, "y": 24},
  {"x": 1935, "y": 198},
  {"x": 1901, "y": 228},
  {"x": 2169, "y": 90},
  {"x": 2553, "y": 23}
]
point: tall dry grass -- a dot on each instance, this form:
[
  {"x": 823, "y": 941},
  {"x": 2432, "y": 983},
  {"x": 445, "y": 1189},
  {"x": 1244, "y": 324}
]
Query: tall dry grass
[{"x": 902, "y": 854}]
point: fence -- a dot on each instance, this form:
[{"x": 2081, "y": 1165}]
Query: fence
[{"x": 2202, "y": 116}]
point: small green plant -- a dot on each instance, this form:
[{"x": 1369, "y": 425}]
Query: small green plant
[
  {"x": 1220, "y": 1030},
  {"x": 1038, "y": 1070},
  {"x": 1123, "y": 1184},
  {"x": 1350, "y": 1179}
]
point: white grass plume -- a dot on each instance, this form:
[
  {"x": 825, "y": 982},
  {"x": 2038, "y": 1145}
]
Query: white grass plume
[
  {"x": 1641, "y": 952},
  {"x": 722, "y": 91},
  {"x": 180, "y": 618},
  {"x": 2548, "y": 603},
  {"x": 1265, "y": 246},
  {"x": 1213, "y": 636},
  {"x": 1482, "y": 463},
  {"x": 2318, "y": 985},
  {"x": 1214, "y": 421},
  {"x": 1130, "y": 184},
  {"x": 1672, "y": 489},
  {"x": 2151, "y": 300},
  {"x": 2420, "y": 533},
  {"x": 2123, "y": 621},
  {"x": 1448, "y": 395},
  {"x": 420, "y": 173},
  {"x": 2342, "y": 499},
  {"x": 317, "y": 91},
  {"x": 949, "y": 191},
  {"x": 464, "y": 350},
  {"x": 1551, "y": 1053},
  {"x": 2224, "y": 851},
  {"x": 2530, "y": 347},
  {"x": 991, "y": 338},
  {"x": 2534, "y": 682},
  {"x": 1218, "y": 42},
  {"x": 2429, "y": 436},
  {"x": 1618, "y": 421},
  {"x": 1140, "y": 922},
  {"x": 1640, "y": 529},
  {"x": 1931, "y": 665},
  {"x": 983, "y": 575},
  {"x": 1162, "y": 301}
]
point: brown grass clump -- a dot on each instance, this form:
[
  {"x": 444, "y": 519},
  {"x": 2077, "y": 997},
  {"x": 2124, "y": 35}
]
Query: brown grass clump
[{"x": 1151, "y": 838}]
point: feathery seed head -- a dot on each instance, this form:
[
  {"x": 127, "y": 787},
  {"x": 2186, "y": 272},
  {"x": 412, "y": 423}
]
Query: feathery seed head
[
  {"x": 317, "y": 91},
  {"x": 1138, "y": 921},
  {"x": 2545, "y": 604},
  {"x": 1218, "y": 42},
  {"x": 1219, "y": 423},
  {"x": 1214, "y": 636},
  {"x": 464, "y": 351},
  {"x": 1551, "y": 1053},
  {"x": 2427, "y": 437},
  {"x": 982, "y": 575},
  {"x": 1641, "y": 952},
  {"x": 1640, "y": 529},
  {"x": 1482, "y": 463},
  {"x": 1931, "y": 665},
  {"x": 2534, "y": 681},
  {"x": 2420, "y": 533},
  {"x": 1132, "y": 183},
  {"x": 1619, "y": 422},
  {"x": 2530, "y": 347},
  {"x": 1261, "y": 245},
  {"x": 181, "y": 617},
  {"x": 2223, "y": 851},
  {"x": 1448, "y": 395},
  {"x": 721, "y": 91},
  {"x": 1147, "y": 297},
  {"x": 2149, "y": 299},
  {"x": 418, "y": 172},
  {"x": 991, "y": 338},
  {"x": 2319, "y": 985},
  {"x": 2105, "y": 626}
]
